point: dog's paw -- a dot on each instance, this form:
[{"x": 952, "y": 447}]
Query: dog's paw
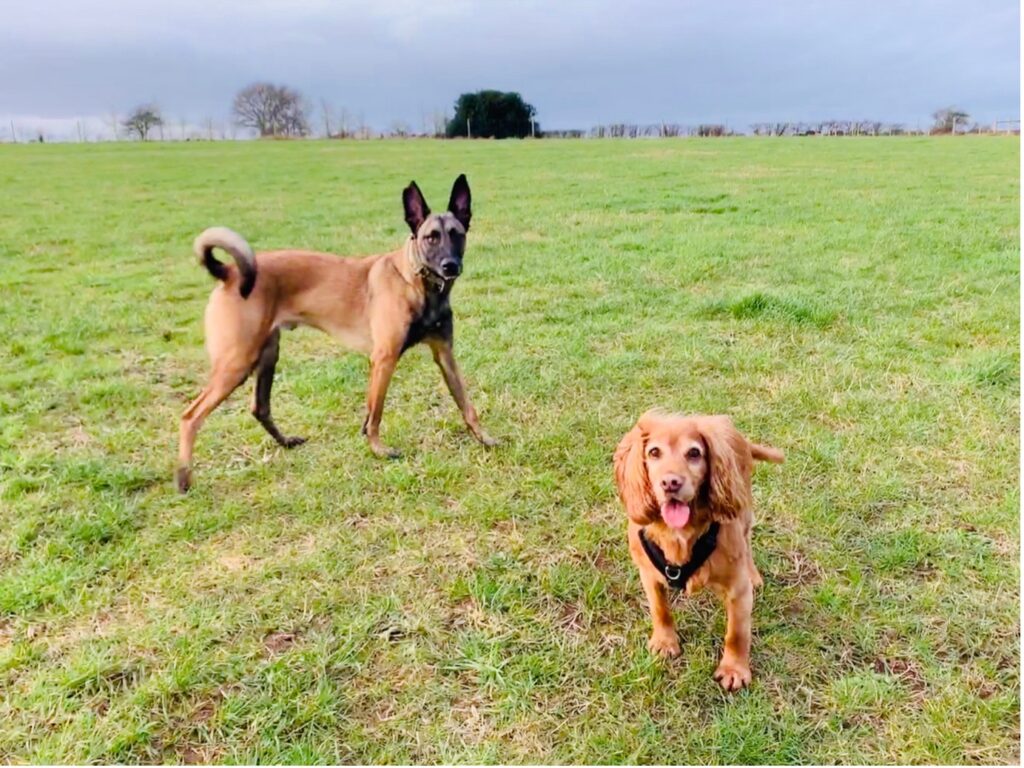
[
  {"x": 293, "y": 442},
  {"x": 665, "y": 645},
  {"x": 487, "y": 440},
  {"x": 383, "y": 452},
  {"x": 184, "y": 479},
  {"x": 732, "y": 675},
  {"x": 756, "y": 579}
]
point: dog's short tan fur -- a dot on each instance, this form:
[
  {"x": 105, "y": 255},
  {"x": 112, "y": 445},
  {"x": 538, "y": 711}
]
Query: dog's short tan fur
[
  {"x": 707, "y": 464},
  {"x": 379, "y": 305}
]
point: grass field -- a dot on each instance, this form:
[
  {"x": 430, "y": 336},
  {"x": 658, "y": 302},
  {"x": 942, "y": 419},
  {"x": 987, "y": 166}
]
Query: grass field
[{"x": 854, "y": 302}]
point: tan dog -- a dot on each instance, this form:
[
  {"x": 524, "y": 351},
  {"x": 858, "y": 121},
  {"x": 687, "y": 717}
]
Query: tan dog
[
  {"x": 379, "y": 305},
  {"x": 685, "y": 483}
]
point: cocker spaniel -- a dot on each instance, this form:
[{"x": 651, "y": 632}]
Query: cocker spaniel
[{"x": 685, "y": 483}]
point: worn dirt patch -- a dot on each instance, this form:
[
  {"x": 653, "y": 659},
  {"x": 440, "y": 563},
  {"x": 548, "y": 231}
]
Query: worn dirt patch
[
  {"x": 234, "y": 562},
  {"x": 801, "y": 571},
  {"x": 906, "y": 671},
  {"x": 279, "y": 642}
]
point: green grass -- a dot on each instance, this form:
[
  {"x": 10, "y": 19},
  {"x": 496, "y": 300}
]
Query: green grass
[{"x": 854, "y": 302}]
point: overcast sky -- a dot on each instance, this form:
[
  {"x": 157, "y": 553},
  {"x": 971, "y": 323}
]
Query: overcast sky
[{"x": 579, "y": 63}]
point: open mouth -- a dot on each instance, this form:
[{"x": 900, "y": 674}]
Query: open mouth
[{"x": 675, "y": 513}]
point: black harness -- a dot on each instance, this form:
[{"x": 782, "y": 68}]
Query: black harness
[{"x": 678, "y": 575}]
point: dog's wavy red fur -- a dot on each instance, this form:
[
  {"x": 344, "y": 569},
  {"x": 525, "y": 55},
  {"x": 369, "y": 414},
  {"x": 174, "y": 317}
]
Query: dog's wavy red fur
[{"x": 712, "y": 463}]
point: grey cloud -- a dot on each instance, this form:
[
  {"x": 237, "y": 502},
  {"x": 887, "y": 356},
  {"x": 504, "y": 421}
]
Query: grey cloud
[{"x": 579, "y": 62}]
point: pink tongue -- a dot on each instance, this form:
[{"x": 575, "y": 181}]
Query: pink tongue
[{"x": 675, "y": 513}]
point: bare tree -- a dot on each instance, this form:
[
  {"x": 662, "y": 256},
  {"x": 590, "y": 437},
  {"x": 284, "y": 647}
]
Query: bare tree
[
  {"x": 400, "y": 129},
  {"x": 272, "y": 110},
  {"x": 433, "y": 123},
  {"x": 344, "y": 124},
  {"x": 142, "y": 120},
  {"x": 336, "y": 121},
  {"x": 947, "y": 119},
  {"x": 115, "y": 125},
  {"x": 439, "y": 123},
  {"x": 711, "y": 129},
  {"x": 325, "y": 113},
  {"x": 363, "y": 130}
]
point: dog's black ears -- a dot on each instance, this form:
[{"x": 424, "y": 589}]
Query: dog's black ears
[
  {"x": 416, "y": 208},
  {"x": 459, "y": 202}
]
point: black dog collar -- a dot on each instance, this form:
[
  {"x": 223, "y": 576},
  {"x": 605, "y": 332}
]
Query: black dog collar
[
  {"x": 678, "y": 575},
  {"x": 431, "y": 278},
  {"x": 425, "y": 273}
]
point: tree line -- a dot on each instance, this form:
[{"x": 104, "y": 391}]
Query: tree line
[
  {"x": 270, "y": 110},
  {"x": 279, "y": 111}
]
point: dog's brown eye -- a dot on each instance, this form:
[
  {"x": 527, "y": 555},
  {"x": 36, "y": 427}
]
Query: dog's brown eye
[
  {"x": 693, "y": 454},
  {"x": 434, "y": 237},
  {"x": 654, "y": 452}
]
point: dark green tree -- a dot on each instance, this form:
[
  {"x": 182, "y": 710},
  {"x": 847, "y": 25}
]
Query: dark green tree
[{"x": 492, "y": 114}]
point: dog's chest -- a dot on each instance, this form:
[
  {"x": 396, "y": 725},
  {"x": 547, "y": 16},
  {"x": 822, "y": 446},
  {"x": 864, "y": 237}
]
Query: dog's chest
[
  {"x": 434, "y": 320},
  {"x": 679, "y": 548}
]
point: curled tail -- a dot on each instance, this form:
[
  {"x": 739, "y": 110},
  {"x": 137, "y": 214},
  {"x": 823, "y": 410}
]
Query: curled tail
[
  {"x": 232, "y": 242},
  {"x": 767, "y": 453}
]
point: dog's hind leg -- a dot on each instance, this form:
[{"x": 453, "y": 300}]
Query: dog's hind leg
[
  {"x": 224, "y": 380},
  {"x": 265, "y": 367}
]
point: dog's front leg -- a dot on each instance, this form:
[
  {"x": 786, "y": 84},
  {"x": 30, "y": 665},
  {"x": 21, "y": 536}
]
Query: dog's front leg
[
  {"x": 733, "y": 671},
  {"x": 445, "y": 359},
  {"x": 382, "y": 366},
  {"x": 664, "y": 641}
]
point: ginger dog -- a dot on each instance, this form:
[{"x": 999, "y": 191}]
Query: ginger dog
[
  {"x": 378, "y": 305},
  {"x": 685, "y": 483}
]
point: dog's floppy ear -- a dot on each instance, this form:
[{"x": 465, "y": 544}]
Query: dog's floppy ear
[
  {"x": 631, "y": 476},
  {"x": 459, "y": 202},
  {"x": 729, "y": 467},
  {"x": 416, "y": 208}
]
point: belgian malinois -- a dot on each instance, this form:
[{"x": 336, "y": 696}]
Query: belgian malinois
[{"x": 378, "y": 305}]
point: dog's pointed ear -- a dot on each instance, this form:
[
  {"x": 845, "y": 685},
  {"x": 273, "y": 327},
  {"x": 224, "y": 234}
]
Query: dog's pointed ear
[
  {"x": 729, "y": 467},
  {"x": 416, "y": 208},
  {"x": 631, "y": 476},
  {"x": 460, "y": 201}
]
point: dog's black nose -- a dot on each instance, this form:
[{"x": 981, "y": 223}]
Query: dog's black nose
[
  {"x": 450, "y": 268},
  {"x": 671, "y": 483}
]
